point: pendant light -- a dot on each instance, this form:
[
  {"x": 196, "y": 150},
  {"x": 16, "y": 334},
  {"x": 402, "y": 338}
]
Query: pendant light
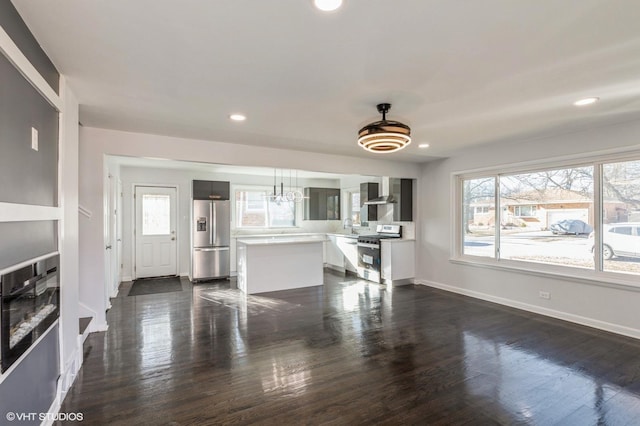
[
  {"x": 384, "y": 136},
  {"x": 293, "y": 195}
]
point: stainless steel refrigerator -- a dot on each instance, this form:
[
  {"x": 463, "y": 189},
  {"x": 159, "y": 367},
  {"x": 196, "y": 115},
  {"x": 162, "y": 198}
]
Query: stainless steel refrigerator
[{"x": 211, "y": 235}]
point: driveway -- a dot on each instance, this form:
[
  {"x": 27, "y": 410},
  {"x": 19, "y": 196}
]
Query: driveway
[{"x": 544, "y": 247}]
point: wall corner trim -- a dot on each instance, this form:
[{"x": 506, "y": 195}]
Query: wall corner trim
[{"x": 577, "y": 319}]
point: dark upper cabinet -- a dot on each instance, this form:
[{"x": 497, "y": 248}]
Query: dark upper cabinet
[
  {"x": 402, "y": 192},
  {"x": 210, "y": 190},
  {"x": 368, "y": 191},
  {"x": 322, "y": 204}
]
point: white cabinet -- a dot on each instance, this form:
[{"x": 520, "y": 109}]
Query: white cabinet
[
  {"x": 398, "y": 260},
  {"x": 349, "y": 249},
  {"x": 273, "y": 264},
  {"x": 333, "y": 256}
]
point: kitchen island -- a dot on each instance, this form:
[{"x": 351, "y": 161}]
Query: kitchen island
[{"x": 279, "y": 263}]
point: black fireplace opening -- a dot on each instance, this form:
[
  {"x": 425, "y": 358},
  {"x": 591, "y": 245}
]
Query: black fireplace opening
[{"x": 30, "y": 297}]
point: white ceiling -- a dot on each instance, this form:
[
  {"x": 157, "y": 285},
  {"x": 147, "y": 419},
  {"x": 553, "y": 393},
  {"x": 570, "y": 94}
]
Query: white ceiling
[{"x": 458, "y": 72}]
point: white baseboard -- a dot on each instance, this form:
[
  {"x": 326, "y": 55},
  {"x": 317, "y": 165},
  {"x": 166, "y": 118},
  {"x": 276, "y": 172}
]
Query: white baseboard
[
  {"x": 577, "y": 319},
  {"x": 71, "y": 369},
  {"x": 66, "y": 379},
  {"x": 125, "y": 279}
]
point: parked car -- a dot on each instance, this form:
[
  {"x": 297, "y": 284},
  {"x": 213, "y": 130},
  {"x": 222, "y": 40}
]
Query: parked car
[
  {"x": 619, "y": 239},
  {"x": 571, "y": 226}
]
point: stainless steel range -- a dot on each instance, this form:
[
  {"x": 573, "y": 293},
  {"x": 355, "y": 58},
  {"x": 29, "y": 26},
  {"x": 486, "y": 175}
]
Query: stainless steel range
[{"x": 369, "y": 259}]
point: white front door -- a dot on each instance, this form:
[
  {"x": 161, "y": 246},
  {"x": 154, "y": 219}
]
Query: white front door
[{"x": 155, "y": 231}]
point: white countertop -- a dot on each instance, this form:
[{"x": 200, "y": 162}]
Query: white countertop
[
  {"x": 283, "y": 239},
  {"x": 391, "y": 240},
  {"x": 277, "y": 235},
  {"x": 292, "y": 238}
]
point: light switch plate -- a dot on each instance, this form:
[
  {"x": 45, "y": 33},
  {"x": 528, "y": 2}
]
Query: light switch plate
[{"x": 34, "y": 138}]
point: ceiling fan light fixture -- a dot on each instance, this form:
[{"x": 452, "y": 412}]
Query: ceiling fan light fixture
[{"x": 384, "y": 136}]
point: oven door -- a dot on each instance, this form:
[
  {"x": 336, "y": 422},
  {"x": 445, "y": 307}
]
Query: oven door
[{"x": 369, "y": 261}]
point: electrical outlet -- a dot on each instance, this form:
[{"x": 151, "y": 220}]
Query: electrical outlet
[
  {"x": 34, "y": 139},
  {"x": 545, "y": 295}
]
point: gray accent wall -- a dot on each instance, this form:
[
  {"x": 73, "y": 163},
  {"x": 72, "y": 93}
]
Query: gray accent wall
[
  {"x": 20, "y": 241},
  {"x": 15, "y": 27},
  {"x": 31, "y": 387},
  {"x": 26, "y": 176}
]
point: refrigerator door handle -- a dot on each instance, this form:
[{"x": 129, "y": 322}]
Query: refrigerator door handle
[
  {"x": 213, "y": 249},
  {"x": 214, "y": 224},
  {"x": 211, "y": 225}
]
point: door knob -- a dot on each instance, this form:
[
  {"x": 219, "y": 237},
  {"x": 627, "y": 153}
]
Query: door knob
[
  {"x": 173, "y": 238},
  {"x": 108, "y": 247}
]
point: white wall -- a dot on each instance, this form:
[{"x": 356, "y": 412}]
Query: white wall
[
  {"x": 95, "y": 144},
  {"x": 605, "y": 307}
]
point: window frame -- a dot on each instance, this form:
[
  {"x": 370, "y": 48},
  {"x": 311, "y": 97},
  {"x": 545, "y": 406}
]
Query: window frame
[
  {"x": 349, "y": 193},
  {"x": 597, "y": 275},
  {"x": 517, "y": 210},
  {"x": 267, "y": 190}
]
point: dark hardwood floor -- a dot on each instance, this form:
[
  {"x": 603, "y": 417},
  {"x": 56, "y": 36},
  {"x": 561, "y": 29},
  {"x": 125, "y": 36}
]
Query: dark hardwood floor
[{"x": 348, "y": 352}]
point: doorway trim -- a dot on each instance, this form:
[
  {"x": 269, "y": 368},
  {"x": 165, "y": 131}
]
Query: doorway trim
[{"x": 133, "y": 223}]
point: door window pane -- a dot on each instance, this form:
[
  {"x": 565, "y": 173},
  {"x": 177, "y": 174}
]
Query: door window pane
[
  {"x": 156, "y": 214},
  {"x": 621, "y": 217},
  {"x": 547, "y": 217},
  {"x": 478, "y": 217}
]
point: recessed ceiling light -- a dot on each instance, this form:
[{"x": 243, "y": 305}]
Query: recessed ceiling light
[
  {"x": 327, "y": 5},
  {"x": 237, "y": 117},
  {"x": 586, "y": 101},
  {"x": 423, "y": 145}
]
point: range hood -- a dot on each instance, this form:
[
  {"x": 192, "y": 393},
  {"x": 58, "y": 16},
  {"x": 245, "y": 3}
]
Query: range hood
[{"x": 385, "y": 199}]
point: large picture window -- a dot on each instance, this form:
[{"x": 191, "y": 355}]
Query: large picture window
[
  {"x": 255, "y": 209},
  {"x": 557, "y": 220},
  {"x": 554, "y": 216},
  {"x": 478, "y": 216},
  {"x": 621, "y": 217}
]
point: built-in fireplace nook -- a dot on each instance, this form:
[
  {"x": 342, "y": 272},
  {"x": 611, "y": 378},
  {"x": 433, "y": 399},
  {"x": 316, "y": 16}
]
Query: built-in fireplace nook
[{"x": 30, "y": 296}]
